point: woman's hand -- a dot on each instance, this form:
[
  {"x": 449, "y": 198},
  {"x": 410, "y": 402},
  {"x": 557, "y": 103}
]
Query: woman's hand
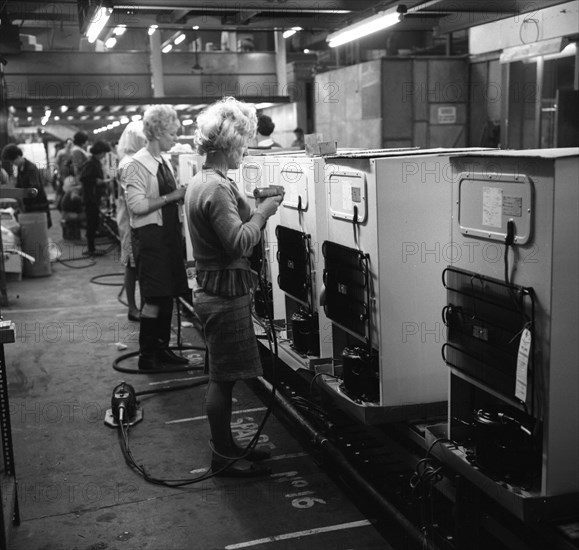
[
  {"x": 177, "y": 195},
  {"x": 268, "y": 206}
]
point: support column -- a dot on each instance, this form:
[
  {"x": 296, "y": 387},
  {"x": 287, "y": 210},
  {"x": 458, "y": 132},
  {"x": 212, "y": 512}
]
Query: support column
[
  {"x": 155, "y": 57},
  {"x": 280, "y": 63},
  {"x": 538, "y": 101}
]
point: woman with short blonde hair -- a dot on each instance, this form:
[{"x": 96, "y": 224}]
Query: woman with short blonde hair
[
  {"x": 224, "y": 229},
  {"x": 153, "y": 201}
]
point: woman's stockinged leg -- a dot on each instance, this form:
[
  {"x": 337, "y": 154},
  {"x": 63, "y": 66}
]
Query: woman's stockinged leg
[{"x": 218, "y": 404}]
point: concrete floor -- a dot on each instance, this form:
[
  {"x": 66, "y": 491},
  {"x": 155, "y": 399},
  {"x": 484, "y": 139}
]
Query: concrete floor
[{"x": 76, "y": 491}]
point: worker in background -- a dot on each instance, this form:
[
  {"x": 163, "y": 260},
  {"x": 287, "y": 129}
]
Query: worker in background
[
  {"x": 63, "y": 165},
  {"x": 154, "y": 200},
  {"x": 94, "y": 184},
  {"x": 4, "y": 177},
  {"x": 224, "y": 229},
  {"x": 265, "y": 127},
  {"x": 28, "y": 176},
  {"x": 132, "y": 140},
  {"x": 78, "y": 153},
  {"x": 299, "y": 142}
]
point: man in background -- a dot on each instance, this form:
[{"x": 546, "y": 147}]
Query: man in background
[{"x": 265, "y": 127}]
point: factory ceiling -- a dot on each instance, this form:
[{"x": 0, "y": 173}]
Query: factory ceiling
[
  {"x": 58, "y": 20},
  {"x": 57, "y": 26}
]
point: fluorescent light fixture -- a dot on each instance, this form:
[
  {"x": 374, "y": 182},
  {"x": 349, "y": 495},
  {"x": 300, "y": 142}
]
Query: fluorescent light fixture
[
  {"x": 291, "y": 32},
  {"x": 98, "y": 23},
  {"x": 136, "y": 117},
  {"x": 195, "y": 27},
  {"x": 167, "y": 48},
  {"x": 111, "y": 42},
  {"x": 119, "y": 30},
  {"x": 125, "y": 120},
  {"x": 152, "y": 29},
  {"x": 187, "y": 122},
  {"x": 179, "y": 39},
  {"x": 382, "y": 20}
]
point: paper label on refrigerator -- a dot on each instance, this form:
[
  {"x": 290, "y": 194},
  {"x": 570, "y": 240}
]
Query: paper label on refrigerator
[
  {"x": 513, "y": 206},
  {"x": 347, "y": 197},
  {"x": 492, "y": 213},
  {"x": 523, "y": 365}
]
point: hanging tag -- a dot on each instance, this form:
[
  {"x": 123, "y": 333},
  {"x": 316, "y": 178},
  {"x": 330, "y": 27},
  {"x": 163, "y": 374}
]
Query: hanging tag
[{"x": 523, "y": 365}]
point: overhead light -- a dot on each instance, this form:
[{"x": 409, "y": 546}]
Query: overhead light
[
  {"x": 152, "y": 29},
  {"x": 119, "y": 30},
  {"x": 63, "y": 108},
  {"x": 187, "y": 122},
  {"x": 195, "y": 27},
  {"x": 125, "y": 120},
  {"x": 179, "y": 39},
  {"x": 98, "y": 23},
  {"x": 111, "y": 42},
  {"x": 167, "y": 48},
  {"x": 134, "y": 118},
  {"x": 306, "y": 50},
  {"x": 382, "y": 20},
  {"x": 291, "y": 32}
]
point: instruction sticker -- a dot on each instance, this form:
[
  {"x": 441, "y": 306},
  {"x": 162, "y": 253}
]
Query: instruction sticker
[
  {"x": 347, "y": 197},
  {"x": 523, "y": 365},
  {"x": 447, "y": 115},
  {"x": 513, "y": 206},
  {"x": 492, "y": 213}
]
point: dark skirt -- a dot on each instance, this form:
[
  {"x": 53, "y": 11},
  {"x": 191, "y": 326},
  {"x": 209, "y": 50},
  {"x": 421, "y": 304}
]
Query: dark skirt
[
  {"x": 159, "y": 256},
  {"x": 229, "y": 336}
]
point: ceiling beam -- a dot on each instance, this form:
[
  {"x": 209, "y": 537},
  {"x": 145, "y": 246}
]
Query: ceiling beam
[{"x": 259, "y": 5}]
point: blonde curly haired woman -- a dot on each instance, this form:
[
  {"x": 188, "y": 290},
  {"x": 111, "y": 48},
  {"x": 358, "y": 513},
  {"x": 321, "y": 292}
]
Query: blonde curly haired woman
[{"x": 224, "y": 228}]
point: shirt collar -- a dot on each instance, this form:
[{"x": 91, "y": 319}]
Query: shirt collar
[{"x": 148, "y": 160}]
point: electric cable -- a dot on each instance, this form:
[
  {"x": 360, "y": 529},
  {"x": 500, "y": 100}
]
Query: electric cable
[
  {"x": 96, "y": 279},
  {"x": 130, "y": 354},
  {"x": 426, "y": 475}
]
